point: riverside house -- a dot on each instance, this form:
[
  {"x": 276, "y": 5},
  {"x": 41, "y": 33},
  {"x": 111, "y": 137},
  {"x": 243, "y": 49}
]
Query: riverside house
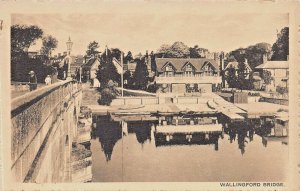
[
  {"x": 279, "y": 71},
  {"x": 187, "y": 75}
]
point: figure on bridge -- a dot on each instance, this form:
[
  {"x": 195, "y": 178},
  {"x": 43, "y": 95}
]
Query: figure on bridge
[
  {"x": 32, "y": 81},
  {"x": 48, "y": 80}
]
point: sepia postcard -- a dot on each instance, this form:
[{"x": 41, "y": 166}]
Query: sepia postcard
[{"x": 146, "y": 95}]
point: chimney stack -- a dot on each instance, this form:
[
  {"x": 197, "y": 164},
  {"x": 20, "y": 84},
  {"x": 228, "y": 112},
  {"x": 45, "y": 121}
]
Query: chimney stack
[{"x": 265, "y": 58}]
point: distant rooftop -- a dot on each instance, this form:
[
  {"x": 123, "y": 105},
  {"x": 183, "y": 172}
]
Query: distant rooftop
[{"x": 274, "y": 65}]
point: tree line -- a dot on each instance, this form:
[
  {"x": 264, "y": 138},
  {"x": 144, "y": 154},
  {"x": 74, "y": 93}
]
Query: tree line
[{"x": 22, "y": 37}]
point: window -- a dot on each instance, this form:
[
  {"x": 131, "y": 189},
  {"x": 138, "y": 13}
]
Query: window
[{"x": 189, "y": 71}]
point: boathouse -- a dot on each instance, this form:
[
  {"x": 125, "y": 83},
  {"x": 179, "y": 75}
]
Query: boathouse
[{"x": 187, "y": 75}]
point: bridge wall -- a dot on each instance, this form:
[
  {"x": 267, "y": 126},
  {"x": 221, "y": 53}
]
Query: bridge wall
[{"x": 43, "y": 125}]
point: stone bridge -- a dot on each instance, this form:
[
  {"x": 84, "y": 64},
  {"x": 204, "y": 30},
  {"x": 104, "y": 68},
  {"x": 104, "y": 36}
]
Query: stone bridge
[{"x": 43, "y": 126}]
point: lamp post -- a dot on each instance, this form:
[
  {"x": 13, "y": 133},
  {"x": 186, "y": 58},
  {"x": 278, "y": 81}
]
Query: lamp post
[
  {"x": 69, "y": 48},
  {"x": 122, "y": 78}
]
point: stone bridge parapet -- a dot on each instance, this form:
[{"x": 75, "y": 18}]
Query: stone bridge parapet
[{"x": 43, "y": 125}]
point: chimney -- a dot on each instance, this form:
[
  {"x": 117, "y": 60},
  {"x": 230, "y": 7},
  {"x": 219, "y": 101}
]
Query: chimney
[
  {"x": 106, "y": 50},
  {"x": 265, "y": 58},
  {"x": 222, "y": 61}
]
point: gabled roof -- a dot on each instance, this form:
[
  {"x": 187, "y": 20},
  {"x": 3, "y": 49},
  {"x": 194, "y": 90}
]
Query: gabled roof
[
  {"x": 274, "y": 65},
  {"x": 179, "y": 63},
  {"x": 90, "y": 63},
  {"x": 235, "y": 65}
]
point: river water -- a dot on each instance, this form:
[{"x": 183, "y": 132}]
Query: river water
[{"x": 240, "y": 154}]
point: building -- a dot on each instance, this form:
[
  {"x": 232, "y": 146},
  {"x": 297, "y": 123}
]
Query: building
[
  {"x": 90, "y": 68},
  {"x": 186, "y": 75},
  {"x": 235, "y": 66},
  {"x": 130, "y": 66},
  {"x": 279, "y": 71}
]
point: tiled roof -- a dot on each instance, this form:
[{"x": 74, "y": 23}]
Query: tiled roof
[
  {"x": 274, "y": 65},
  {"x": 179, "y": 63},
  {"x": 90, "y": 62},
  {"x": 235, "y": 65}
]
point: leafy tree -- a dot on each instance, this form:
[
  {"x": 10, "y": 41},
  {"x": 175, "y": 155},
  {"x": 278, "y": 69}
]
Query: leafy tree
[
  {"x": 231, "y": 78},
  {"x": 195, "y": 52},
  {"x": 22, "y": 37},
  {"x": 241, "y": 78},
  {"x": 141, "y": 75},
  {"x": 254, "y": 54},
  {"x": 281, "y": 90},
  {"x": 128, "y": 57},
  {"x": 267, "y": 77},
  {"x": 107, "y": 70},
  {"x": 177, "y": 50},
  {"x": 92, "y": 49},
  {"x": 281, "y": 47},
  {"x": 49, "y": 43},
  {"x": 153, "y": 62},
  {"x": 116, "y": 53},
  {"x": 108, "y": 93}
]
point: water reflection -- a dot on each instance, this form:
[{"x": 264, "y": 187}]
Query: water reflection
[
  {"x": 230, "y": 146},
  {"x": 109, "y": 133},
  {"x": 142, "y": 130},
  {"x": 182, "y": 139}
]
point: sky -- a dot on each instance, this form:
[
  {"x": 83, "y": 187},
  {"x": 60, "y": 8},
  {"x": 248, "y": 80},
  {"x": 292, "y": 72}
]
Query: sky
[{"x": 148, "y": 31}]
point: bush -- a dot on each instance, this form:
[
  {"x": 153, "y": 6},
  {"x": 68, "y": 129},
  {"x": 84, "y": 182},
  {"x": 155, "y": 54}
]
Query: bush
[
  {"x": 281, "y": 90},
  {"x": 107, "y": 95},
  {"x": 152, "y": 88}
]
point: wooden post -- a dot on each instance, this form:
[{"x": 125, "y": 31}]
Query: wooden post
[{"x": 122, "y": 83}]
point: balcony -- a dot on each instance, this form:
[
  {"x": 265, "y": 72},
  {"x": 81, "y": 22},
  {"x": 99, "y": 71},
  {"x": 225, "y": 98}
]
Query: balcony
[{"x": 189, "y": 80}]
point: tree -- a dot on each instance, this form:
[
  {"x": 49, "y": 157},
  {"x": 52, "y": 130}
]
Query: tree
[
  {"x": 128, "y": 57},
  {"x": 267, "y": 77},
  {"x": 108, "y": 93},
  {"x": 116, "y": 53},
  {"x": 280, "y": 48},
  {"x": 107, "y": 70},
  {"x": 22, "y": 37},
  {"x": 231, "y": 78},
  {"x": 49, "y": 44},
  {"x": 153, "y": 62},
  {"x": 177, "y": 50},
  {"x": 92, "y": 49},
  {"x": 254, "y": 54},
  {"x": 141, "y": 75},
  {"x": 195, "y": 52},
  {"x": 281, "y": 90},
  {"x": 241, "y": 78}
]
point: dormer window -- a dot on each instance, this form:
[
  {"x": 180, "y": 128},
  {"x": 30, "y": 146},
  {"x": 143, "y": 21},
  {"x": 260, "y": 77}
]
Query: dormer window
[{"x": 169, "y": 72}]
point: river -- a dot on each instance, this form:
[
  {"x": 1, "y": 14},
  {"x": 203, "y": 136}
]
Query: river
[{"x": 240, "y": 154}]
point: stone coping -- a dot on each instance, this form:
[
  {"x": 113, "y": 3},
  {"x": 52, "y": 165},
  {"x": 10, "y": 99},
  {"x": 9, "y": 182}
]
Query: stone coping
[{"x": 36, "y": 94}]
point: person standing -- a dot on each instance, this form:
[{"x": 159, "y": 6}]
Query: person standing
[
  {"x": 48, "y": 80},
  {"x": 32, "y": 81}
]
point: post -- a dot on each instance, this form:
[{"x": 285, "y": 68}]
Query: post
[
  {"x": 122, "y": 74},
  {"x": 80, "y": 71}
]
